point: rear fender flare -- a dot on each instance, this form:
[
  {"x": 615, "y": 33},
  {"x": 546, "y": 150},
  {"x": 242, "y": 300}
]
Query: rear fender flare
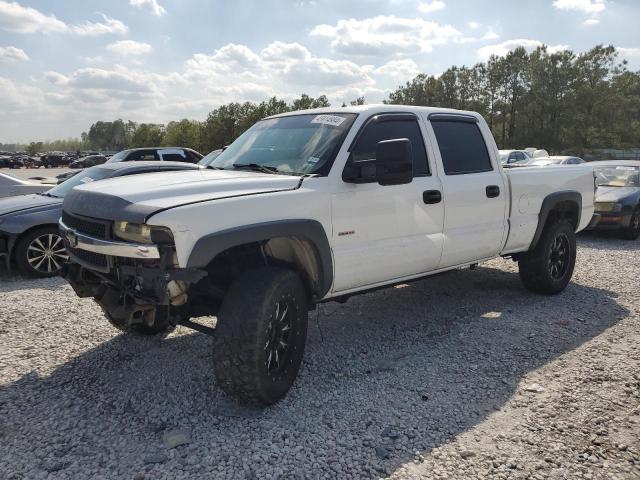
[{"x": 548, "y": 205}]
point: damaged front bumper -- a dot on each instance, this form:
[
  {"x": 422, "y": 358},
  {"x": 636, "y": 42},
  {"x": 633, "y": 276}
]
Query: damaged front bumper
[{"x": 130, "y": 281}]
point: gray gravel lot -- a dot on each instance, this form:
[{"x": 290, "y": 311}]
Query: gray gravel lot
[{"x": 464, "y": 375}]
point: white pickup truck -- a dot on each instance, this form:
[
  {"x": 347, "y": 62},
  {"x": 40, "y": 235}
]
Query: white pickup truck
[{"x": 308, "y": 207}]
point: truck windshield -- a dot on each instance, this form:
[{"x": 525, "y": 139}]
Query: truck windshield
[
  {"x": 297, "y": 144},
  {"x": 619, "y": 176}
]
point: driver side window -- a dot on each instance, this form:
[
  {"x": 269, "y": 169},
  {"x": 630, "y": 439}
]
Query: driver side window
[{"x": 365, "y": 148}]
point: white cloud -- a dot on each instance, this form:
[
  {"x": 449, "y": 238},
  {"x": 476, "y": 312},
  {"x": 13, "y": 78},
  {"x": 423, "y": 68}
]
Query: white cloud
[
  {"x": 473, "y": 25},
  {"x": 110, "y": 25},
  {"x": 585, "y": 6},
  {"x": 399, "y": 70},
  {"x": 432, "y": 6},
  {"x": 12, "y": 54},
  {"x": 631, "y": 54},
  {"x": 152, "y": 5},
  {"x": 126, "y": 48},
  {"x": 386, "y": 35},
  {"x": 501, "y": 49},
  {"x": 590, "y": 7},
  {"x": 16, "y": 18}
]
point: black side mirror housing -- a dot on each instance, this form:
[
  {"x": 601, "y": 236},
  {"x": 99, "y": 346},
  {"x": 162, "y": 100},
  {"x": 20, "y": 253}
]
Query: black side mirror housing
[{"x": 394, "y": 162}]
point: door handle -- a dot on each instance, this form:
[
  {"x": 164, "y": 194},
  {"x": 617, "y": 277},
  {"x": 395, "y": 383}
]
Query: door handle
[
  {"x": 493, "y": 191},
  {"x": 432, "y": 196}
]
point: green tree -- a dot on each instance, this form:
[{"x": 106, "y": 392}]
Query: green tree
[
  {"x": 147, "y": 135},
  {"x": 185, "y": 133}
]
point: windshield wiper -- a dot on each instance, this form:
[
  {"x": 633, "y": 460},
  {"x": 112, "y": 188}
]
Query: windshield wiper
[
  {"x": 214, "y": 168},
  {"x": 45, "y": 194},
  {"x": 255, "y": 167}
]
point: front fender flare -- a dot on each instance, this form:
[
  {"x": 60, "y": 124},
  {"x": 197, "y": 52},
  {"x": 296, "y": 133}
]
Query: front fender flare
[{"x": 209, "y": 246}]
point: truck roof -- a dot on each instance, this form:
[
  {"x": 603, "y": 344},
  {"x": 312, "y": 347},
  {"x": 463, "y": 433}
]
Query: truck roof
[{"x": 376, "y": 108}]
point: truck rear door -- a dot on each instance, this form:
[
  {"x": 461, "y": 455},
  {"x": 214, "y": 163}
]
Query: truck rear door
[{"x": 474, "y": 189}]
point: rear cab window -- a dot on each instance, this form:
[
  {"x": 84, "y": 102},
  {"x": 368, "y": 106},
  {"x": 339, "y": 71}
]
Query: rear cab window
[{"x": 462, "y": 146}]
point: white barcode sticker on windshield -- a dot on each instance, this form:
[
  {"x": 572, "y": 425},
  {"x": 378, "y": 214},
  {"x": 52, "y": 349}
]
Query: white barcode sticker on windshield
[
  {"x": 87, "y": 180},
  {"x": 629, "y": 169},
  {"x": 333, "y": 120}
]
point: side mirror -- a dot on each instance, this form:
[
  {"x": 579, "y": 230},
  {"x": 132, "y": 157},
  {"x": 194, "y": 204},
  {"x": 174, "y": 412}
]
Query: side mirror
[{"x": 394, "y": 162}]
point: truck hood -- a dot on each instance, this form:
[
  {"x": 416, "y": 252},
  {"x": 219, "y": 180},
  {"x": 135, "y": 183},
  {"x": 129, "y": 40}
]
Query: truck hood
[
  {"x": 615, "y": 194},
  {"x": 23, "y": 203},
  {"x": 136, "y": 198}
]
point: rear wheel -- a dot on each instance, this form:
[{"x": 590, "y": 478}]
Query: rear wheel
[
  {"x": 632, "y": 232},
  {"x": 261, "y": 335},
  {"x": 41, "y": 253},
  {"x": 549, "y": 266}
]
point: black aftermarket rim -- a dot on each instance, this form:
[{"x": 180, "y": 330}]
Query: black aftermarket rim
[
  {"x": 278, "y": 344},
  {"x": 559, "y": 257},
  {"x": 46, "y": 253}
]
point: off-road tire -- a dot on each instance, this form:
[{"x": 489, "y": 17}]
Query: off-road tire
[
  {"x": 22, "y": 252},
  {"x": 536, "y": 270},
  {"x": 246, "y": 322},
  {"x": 632, "y": 232}
]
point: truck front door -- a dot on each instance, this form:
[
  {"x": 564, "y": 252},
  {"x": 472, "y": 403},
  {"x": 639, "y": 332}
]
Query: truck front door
[
  {"x": 474, "y": 190},
  {"x": 381, "y": 233}
]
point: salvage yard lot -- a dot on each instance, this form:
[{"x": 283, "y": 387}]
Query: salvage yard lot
[{"x": 463, "y": 375}]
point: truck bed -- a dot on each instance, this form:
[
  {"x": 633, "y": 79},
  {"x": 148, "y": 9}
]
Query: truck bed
[{"x": 530, "y": 185}]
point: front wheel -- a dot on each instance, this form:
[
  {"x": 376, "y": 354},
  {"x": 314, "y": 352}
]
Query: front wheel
[
  {"x": 632, "y": 232},
  {"x": 260, "y": 335},
  {"x": 549, "y": 266},
  {"x": 41, "y": 253}
]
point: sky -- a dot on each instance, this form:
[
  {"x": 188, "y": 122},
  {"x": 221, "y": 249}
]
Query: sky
[{"x": 65, "y": 64}]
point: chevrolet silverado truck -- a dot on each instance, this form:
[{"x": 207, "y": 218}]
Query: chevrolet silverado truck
[{"x": 308, "y": 207}]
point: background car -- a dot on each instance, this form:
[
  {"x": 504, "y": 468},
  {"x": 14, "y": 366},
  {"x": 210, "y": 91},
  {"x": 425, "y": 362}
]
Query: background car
[
  {"x": 210, "y": 157},
  {"x": 556, "y": 160},
  {"x": 54, "y": 160},
  {"x": 617, "y": 202},
  {"x": 166, "y": 154},
  {"x": 12, "y": 186},
  {"x": 510, "y": 157},
  {"x": 88, "y": 161},
  {"x": 29, "y": 224}
]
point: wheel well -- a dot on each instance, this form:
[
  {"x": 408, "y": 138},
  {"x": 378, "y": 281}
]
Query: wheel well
[
  {"x": 32, "y": 229},
  {"x": 299, "y": 254},
  {"x": 565, "y": 210}
]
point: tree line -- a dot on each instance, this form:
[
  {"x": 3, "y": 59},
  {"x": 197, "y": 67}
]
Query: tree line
[{"x": 560, "y": 101}]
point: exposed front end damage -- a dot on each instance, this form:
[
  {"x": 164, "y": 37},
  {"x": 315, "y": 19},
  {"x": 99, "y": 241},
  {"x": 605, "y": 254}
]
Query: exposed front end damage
[{"x": 134, "y": 284}]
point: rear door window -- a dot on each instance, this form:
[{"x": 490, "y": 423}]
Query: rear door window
[
  {"x": 462, "y": 147},
  {"x": 142, "y": 155}
]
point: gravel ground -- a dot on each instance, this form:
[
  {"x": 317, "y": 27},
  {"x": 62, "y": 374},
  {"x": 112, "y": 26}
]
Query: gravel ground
[{"x": 465, "y": 375}]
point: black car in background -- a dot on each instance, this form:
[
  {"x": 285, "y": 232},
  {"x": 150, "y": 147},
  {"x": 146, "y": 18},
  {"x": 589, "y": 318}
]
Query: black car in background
[
  {"x": 88, "y": 161},
  {"x": 29, "y": 234},
  {"x": 617, "y": 202},
  {"x": 54, "y": 160}
]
